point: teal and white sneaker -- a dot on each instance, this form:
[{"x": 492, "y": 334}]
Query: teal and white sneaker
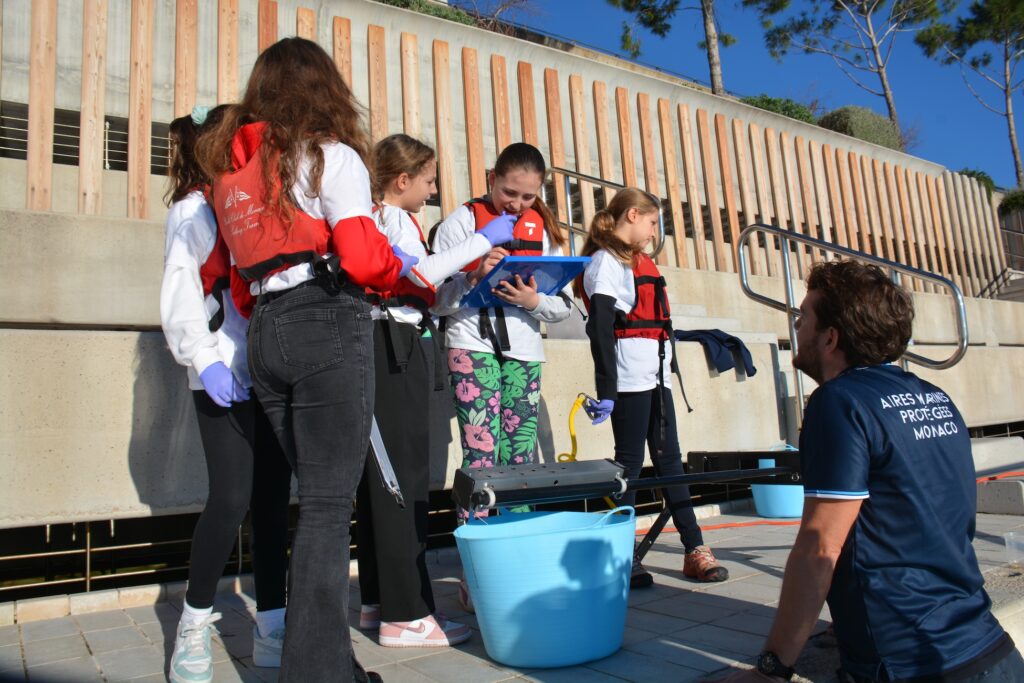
[
  {"x": 266, "y": 652},
  {"x": 192, "y": 661}
]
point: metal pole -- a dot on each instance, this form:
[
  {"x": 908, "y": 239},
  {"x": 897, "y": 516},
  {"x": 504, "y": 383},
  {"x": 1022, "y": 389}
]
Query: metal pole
[
  {"x": 791, "y": 321},
  {"x": 88, "y": 557}
]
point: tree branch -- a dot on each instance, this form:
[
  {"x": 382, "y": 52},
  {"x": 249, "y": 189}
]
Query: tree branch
[
  {"x": 856, "y": 82},
  {"x": 981, "y": 100}
]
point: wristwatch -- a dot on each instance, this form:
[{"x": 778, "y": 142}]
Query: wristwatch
[{"x": 768, "y": 663}]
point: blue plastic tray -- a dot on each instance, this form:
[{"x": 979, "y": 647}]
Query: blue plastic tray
[{"x": 552, "y": 273}]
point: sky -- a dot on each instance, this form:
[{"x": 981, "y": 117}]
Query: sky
[{"x": 953, "y": 129}]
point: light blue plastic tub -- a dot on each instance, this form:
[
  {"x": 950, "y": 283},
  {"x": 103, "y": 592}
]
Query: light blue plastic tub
[
  {"x": 777, "y": 501},
  {"x": 550, "y": 588}
]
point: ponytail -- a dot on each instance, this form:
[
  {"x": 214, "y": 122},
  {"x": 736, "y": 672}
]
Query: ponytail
[{"x": 602, "y": 226}]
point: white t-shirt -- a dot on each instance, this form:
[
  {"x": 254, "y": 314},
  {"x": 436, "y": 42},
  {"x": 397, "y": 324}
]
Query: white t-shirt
[
  {"x": 185, "y": 311},
  {"x": 636, "y": 358},
  {"x": 344, "y": 193},
  {"x": 463, "y": 326},
  {"x": 399, "y": 227}
]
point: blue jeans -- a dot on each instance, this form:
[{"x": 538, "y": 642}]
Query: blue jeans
[{"x": 311, "y": 359}]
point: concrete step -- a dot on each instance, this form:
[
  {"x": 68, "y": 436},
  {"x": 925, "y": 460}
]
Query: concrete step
[
  {"x": 997, "y": 454},
  {"x": 689, "y": 322}
]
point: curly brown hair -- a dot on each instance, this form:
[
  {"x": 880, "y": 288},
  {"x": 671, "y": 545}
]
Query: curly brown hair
[
  {"x": 873, "y": 315},
  {"x": 297, "y": 91},
  {"x": 183, "y": 170}
]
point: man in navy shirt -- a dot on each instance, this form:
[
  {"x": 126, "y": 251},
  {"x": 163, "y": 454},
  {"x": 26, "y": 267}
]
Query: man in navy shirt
[{"x": 890, "y": 503}]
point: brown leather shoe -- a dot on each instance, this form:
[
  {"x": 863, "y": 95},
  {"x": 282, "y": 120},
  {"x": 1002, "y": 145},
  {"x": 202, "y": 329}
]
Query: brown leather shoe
[{"x": 700, "y": 564}]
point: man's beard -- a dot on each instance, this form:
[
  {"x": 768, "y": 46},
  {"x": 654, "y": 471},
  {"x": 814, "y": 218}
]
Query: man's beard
[{"x": 808, "y": 362}]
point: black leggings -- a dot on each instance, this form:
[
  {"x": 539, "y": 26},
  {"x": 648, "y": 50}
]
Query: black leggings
[
  {"x": 636, "y": 424},
  {"x": 247, "y": 470}
]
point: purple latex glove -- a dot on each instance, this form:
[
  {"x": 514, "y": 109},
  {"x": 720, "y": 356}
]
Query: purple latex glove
[
  {"x": 239, "y": 393},
  {"x": 499, "y": 230},
  {"x": 408, "y": 261},
  {"x": 218, "y": 382},
  {"x": 599, "y": 411}
]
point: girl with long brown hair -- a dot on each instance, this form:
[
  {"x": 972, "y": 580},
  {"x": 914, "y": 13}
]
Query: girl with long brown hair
[
  {"x": 630, "y": 330},
  {"x": 292, "y": 196}
]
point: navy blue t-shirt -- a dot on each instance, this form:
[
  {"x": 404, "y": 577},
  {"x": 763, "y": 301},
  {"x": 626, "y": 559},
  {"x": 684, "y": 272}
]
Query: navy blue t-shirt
[{"x": 907, "y": 595}]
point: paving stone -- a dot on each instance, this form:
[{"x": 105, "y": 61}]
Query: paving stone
[
  {"x": 115, "y": 639},
  {"x": 574, "y": 674},
  {"x": 685, "y": 608},
  {"x": 679, "y": 652},
  {"x": 9, "y": 635},
  {"x": 633, "y": 666},
  {"x": 145, "y": 614},
  {"x": 54, "y": 649},
  {"x": 399, "y": 673},
  {"x": 655, "y": 622},
  {"x": 37, "y": 609},
  {"x": 101, "y": 621},
  {"x": 78, "y": 670},
  {"x": 723, "y": 639},
  {"x": 157, "y": 632},
  {"x": 747, "y": 623},
  {"x": 454, "y": 666},
  {"x": 10, "y": 657},
  {"x": 122, "y": 665},
  {"x": 50, "y": 628},
  {"x": 6, "y": 614},
  {"x": 234, "y": 672}
]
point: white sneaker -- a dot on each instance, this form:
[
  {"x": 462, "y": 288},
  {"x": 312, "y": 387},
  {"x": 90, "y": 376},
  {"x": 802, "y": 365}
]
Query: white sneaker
[
  {"x": 266, "y": 652},
  {"x": 192, "y": 661}
]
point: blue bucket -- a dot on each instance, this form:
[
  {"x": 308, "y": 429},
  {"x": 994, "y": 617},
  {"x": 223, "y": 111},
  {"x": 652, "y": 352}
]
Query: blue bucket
[
  {"x": 550, "y": 588},
  {"x": 777, "y": 500}
]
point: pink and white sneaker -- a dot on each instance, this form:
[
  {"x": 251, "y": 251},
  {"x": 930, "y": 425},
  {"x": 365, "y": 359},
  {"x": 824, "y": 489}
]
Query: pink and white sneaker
[
  {"x": 369, "y": 617},
  {"x": 426, "y": 632}
]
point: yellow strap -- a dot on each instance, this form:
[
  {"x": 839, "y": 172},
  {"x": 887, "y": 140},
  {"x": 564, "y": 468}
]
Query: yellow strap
[{"x": 577, "y": 404}]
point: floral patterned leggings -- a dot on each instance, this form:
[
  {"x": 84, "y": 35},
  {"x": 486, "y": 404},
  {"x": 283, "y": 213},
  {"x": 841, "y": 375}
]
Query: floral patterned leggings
[{"x": 496, "y": 404}]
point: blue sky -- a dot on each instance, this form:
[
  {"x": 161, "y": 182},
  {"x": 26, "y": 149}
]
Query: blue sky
[{"x": 953, "y": 129}]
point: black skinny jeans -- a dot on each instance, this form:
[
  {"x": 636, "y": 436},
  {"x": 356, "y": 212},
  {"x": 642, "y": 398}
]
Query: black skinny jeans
[
  {"x": 636, "y": 424},
  {"x": 247, "y": 471},
  {"x": 312, "y": 368}
]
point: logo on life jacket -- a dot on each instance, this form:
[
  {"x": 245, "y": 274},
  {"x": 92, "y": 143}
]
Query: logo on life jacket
[{"x": 235, "y": 196}]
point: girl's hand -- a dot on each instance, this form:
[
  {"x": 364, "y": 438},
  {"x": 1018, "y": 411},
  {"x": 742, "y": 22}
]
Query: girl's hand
[
  {"x": 520, "y": 293},
  {"x": 487, "y": 264}
]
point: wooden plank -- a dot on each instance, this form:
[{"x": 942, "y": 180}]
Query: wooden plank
[
  {"x": 834, "y": 196},
  {"x": 938, "y": 228},
  {"x": 700, "y": 254},
  {"x": 342, "y": 49},
  {"x": 186, "y": 52},
  {"x": 927, "y": 224},
  {"x": 872, "y": 200},
  {"x": 625, "y": 137},
  {"x": 266, "y": 24},
  {"x": 748, "y": 203},
  {"x": 377, "y": 75},
  {"x": 777, "y": 182},
  {"x": 884, "y": 228},
  {"x": 91, "y": 120},
  {"x": 410, "y": 84},
  {"x": 977, "y": 231},
  {"x": 860, "y": 203},
  {"x": 643, "y": 107},
  {"x": 305, "y": 23},
  {"x": 227, "y": 50},
  {"x": 990, "y": 235},
  {"x": 581, "y": 146},
  {"x": 604, "y": 146},
  {"x": 675, "y": 198},
  {"x": 711, "y": 190},
  {"x": 474, "y": 127},
  {"x": 994, "y": 235},
  {"x": 899, "y": 253},
  {"x": 140, "y": 108},
  {"x": 962, "y": 232},
  {"x": 806, "y": 185},
  {"x": 443, "y": 128},
  {"x": 763, "y": 185},
  {"x": 920, "y": 233},
  {"x": 42, "y": 85},
  {"x": 793, "y": 199},
  {"x": 499, "y": 98},
  {"x": 970, "y": 233},
  {"x": 556, "y": 140},
  {"x": 906, "y": 214},
  {"x": 846, "y": 192},
  {"x": 725, "y": 166},
  {"x": 821, "y": 192},
  {"x": 956, "y": 254},
  {"x": 527, "y": 103}
]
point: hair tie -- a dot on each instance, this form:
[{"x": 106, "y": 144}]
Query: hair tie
[{"x": 199, "y": 114}]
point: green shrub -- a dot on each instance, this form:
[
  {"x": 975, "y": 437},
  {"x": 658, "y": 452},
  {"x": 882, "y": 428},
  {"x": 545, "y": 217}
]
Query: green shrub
[
  {"x": 983, "y": 178},
  {"x": 434, "y": 10},
  {"x": 781, "y": 105},
  {"x": 863, "y": 124},
  {"x": 1013, "y": 201}
]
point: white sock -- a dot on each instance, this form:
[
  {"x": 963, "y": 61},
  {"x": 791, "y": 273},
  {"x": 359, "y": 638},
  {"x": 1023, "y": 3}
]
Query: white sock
[
  {"x": 193, "y": 615},
  {"x": 269, "y": 621}
]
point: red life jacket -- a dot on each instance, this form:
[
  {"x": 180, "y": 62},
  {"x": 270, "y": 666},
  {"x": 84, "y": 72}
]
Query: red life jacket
[
  {"x": 405, "y": 292},
  {"x": 527, "y": 234},
  {"x": 219, "y": 276},
  {"x": 650, "y": 317},
  {"x": 261, "y": 240}
]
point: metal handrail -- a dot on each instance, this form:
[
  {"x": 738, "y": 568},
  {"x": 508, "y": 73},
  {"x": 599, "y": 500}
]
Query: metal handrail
[
  {"x": 792, "y": 312},
  {"x": 567, "y": 175}
]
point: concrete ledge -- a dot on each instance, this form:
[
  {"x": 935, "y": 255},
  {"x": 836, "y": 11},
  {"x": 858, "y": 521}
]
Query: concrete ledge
[
  {"x": 1002, "y": 497},
  {"x": 997, "y": 454}
]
